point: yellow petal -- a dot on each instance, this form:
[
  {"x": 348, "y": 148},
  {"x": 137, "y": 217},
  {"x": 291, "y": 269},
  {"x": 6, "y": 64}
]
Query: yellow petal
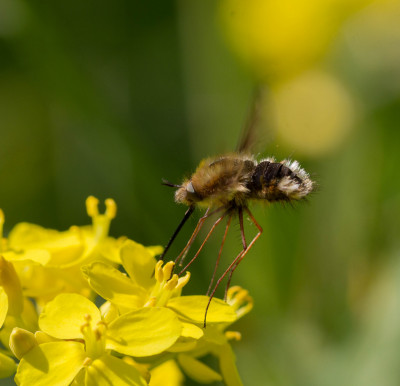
[
  {"x": 63, "y": 317},
  {"x": 188, "y": 340},
  {"x": 109, "y": 370},
  {"x": 193, "y": 308},
  {"x": 109, "y": 312},
  {"x": 51, "y": 364},
  {"x": 228, "y": 366},
  {"x": 7, "y": 366},
  {"x": 191, "y": 331},
  {"x": 3, "y": 305},
  {"x": 155, "y": 249},
  {"x": 39, "y": 256},
  {"x": 25, "y": 233},
  {"x": 198, "y": 370},
  {"x": 167, "y": 374},
  {"x": 110, "y": 250},
  {"x": 41, "y": 337},
  {"x": 30, "y": 316},
  {"x": 11, "y": 284},
  {"x": 144, "y": 332},
  {"x": 139, "y": 263},
  {"x": 113, "y": 285},
  {"x": 64, "y": 247}
]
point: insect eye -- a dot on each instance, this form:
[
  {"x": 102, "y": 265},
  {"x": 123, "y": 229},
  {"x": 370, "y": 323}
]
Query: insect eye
[{"x": 190, "y": 188}]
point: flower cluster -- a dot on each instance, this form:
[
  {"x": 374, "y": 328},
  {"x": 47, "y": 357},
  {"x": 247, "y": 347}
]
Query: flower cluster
[{"x": 81, "y": 308}]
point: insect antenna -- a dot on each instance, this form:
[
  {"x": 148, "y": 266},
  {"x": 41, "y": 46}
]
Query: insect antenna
[
  {"x": 170, "y": 184},
  {"x": 171, "y": 240}
]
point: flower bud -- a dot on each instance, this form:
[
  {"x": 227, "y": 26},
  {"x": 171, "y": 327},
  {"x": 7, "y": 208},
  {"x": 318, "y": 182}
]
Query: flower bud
[{"x": 21, "y": 342}]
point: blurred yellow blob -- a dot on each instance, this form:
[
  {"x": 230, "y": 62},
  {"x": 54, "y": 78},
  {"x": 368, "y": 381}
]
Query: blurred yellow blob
[
  {"x": 373, "y": 38},
  {"x": 311, "y": 114},
  {"x": 279, "y": 38}
]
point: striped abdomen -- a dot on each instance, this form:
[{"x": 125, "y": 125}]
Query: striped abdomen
[{"x": 279, "y": 181}]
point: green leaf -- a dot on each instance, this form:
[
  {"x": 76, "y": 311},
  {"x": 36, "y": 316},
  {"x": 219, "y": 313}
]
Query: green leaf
[
  {"x": 144, "y": 332},
  {"x": 109, "y": 370},
  {"x": 63, "y": 317},
  {"x": 51, "y": 364},
  {"x": 113, "y": 285},
  {"x": 193, "y": 308}
]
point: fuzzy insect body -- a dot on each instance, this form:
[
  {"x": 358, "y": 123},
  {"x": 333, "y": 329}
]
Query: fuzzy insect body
[
  {"x": 234, "y": 179},
  {"x": 225, "y": 185}
]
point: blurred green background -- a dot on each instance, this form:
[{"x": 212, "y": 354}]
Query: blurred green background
[{"x": 109, "y": 98}]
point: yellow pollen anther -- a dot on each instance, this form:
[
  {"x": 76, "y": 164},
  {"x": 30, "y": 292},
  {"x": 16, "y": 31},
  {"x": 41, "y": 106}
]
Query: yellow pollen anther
[
  {"x": 92, "y": 206},
  {"x": 171, "y": 283},
  {"x": 87, "y": 362},
  {"x": 151, "y": 302},
  {"x": 230, "y": 335},
  {"x": 183, "y": 281},
  {"x": 111, "y": 208},
  {"x": 2, "y": 218},
  {"x": 168, "y": 269},
  {"x": 158, "y": 272},
  {"x": 86, "y": 325}
]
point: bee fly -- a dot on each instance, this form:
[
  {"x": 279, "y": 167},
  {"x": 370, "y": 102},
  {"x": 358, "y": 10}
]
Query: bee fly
[{"x": 225, "y": 185}]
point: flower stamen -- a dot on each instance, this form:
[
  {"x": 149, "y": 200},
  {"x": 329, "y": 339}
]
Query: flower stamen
[
  {"x": 95, "y": 342},
  {"x": 167, "y": 284}
]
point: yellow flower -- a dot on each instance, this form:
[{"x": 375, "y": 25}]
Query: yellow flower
[
  {"x": 150, "y": 284},
  {"x": 81, "y": 350},
  {"x": 48, "y": 261}
]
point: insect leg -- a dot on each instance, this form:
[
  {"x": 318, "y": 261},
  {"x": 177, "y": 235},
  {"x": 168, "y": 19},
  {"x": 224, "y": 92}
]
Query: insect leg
[
  {"x": 185, "y": 218},
  {"x": 235, "y": 262},
  {"x": 240, "y": 213},
  {"x": 220, "y": 252},
  {"x": 199, "y": 225},
  {"x": 192, "y": 237},
  {"x": 203, "y": 243}
]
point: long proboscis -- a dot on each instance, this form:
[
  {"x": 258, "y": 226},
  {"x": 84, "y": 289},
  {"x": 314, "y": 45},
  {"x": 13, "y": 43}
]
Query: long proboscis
[{"x": 181, "y": 224}]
